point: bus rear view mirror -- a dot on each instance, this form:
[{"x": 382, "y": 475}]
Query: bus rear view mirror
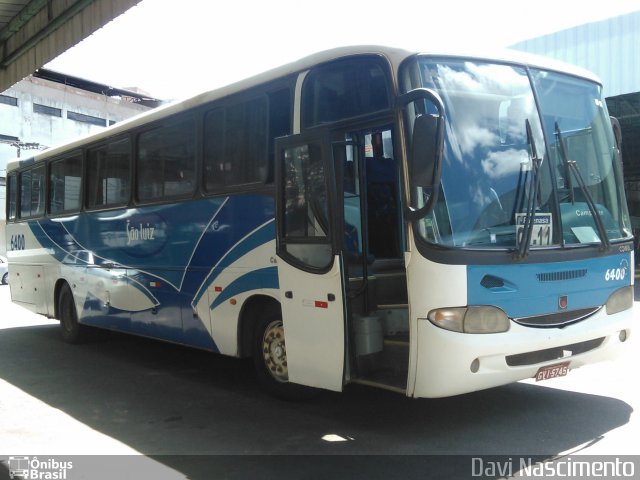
[
  {"x": 426, "y": 148},
  {"x": 424, "y": 151}
]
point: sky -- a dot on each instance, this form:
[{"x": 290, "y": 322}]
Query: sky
[{"x": 174, "y": 49}]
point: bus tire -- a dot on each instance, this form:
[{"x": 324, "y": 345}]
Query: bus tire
[
  {"x": 5, "y": 278},
  {"x": 270, "y": 359},
  {"x": 70, "y": 329}
]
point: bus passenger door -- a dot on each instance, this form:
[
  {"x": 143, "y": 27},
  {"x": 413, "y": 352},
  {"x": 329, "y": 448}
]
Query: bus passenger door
[{"x": 309, "y": 267}]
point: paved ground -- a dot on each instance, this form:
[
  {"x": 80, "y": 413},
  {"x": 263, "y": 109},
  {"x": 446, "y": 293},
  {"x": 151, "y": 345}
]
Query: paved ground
[{"x": 122, "y": 395}]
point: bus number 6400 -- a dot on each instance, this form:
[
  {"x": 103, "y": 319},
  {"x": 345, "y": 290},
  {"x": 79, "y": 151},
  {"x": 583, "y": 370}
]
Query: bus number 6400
[
  {"x": 17, "y": 242},
  {"x": 615, "y": 274}
]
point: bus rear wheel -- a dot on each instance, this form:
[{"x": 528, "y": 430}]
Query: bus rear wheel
[
  {"x": 270, "y": 359},
  {"x": 71, "y": 330}
]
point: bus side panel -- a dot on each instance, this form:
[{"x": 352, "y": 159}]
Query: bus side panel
[
  {"x": 158, "y": 271},
  {"x": 253, "y": 273},
  {"x": 163, "y": 321},
  {"x": 28, "y": 263},
  {"x": 430, "y": 285},
  {"x": 27, "y": 286}
]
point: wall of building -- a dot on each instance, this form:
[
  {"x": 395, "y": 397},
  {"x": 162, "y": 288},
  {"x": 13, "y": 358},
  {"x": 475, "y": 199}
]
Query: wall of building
[
  {"x": 608, "y": 48},
  {"x": 37, "y": 113},
  {"x": 45, "y": 113}
]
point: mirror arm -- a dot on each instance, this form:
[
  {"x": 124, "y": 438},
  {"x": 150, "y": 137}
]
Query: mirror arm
[{"x": 421, "y": 94}]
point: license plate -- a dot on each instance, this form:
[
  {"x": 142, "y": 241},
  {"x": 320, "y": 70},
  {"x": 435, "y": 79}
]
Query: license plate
[{"x": 552, "y": 371}]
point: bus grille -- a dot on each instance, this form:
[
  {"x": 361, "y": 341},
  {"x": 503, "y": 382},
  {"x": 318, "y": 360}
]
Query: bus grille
[
  {"x": 548, "y": 354},
  {"x": 561, "y": 276},
  {"x": 557, "y": 319}
]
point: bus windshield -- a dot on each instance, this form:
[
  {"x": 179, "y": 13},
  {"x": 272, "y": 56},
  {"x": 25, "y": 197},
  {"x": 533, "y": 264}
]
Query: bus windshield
[{"x": 526, "y": 151}]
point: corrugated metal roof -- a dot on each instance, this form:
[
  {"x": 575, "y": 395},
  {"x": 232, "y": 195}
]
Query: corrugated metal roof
[
  {"x": 9, "y": 10},
  {"x": 610, "y": 48},
  {"x": 33, "y": 32}
]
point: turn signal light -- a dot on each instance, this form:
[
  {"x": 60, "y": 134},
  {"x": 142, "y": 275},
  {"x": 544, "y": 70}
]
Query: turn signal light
[{"x": 620, "y": 300}]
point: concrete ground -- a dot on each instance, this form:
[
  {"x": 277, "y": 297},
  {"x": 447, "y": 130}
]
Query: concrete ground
[{"x": 122, "y": 404}]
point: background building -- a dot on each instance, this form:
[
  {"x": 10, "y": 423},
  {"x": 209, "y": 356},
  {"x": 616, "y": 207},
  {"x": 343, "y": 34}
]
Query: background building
[
  {"x": 49, "y": 108},
  {"x": 611, "y": 49}
]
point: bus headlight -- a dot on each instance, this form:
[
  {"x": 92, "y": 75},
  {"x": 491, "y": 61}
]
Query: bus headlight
[
  {"x": 621, "y": 299},
  {"x": 473, "y": 319}
]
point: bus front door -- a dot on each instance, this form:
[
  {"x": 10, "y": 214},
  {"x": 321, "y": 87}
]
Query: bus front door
[
  {"x": 368, "y": 179},
  {"x": 310, "y": 271}
]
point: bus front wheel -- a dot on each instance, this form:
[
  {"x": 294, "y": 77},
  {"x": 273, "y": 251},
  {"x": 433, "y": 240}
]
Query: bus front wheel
[
  {"x": 71, "y": 330},
  {"x": 270, "y": 359}
]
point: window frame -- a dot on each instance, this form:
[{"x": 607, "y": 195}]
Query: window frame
[
  {"x": 45, "y": 191},
  {"x": 9, "y": 100},
  {"x": 9, "y": 192},
  {"x": 377, "y": 59},
  {"x": 224, "y": 106},
  {"x": 50, "y": 164},
  {"x": 48, "y": 110},
  {"x": 197, "y": 119},
  {"x": 85, "y": 206},
  {"x": 320, "y": 140}
]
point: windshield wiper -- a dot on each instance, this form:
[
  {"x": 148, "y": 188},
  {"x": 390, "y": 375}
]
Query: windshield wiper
[
  {"x": 572, "y": 167},
  {"x": 566, "y": 163},
  {"x": 534, "y": 188}
]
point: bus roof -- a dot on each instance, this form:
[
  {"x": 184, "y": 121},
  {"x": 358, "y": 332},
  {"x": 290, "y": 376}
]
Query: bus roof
[{"x": 394, "y": 55}]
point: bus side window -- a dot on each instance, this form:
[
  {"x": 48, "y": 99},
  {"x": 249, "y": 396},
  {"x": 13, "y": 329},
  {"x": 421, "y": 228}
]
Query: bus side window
[
  {"x": 32, "y": 191},
  {"x": 235, "y": 145},
  {"x": 279, "y": 122},
  {"x": 305, "y": 215},
  {"x": 108, "y": 174},
  {"x": 64, "y": 184},
  {"x": 344, "y": 89},
  {"x": 25, "y": 194},
  {"x": 12, "y": 204},
  {"x": 214, "y": 162},
  {"x": 166, "y": 161}
]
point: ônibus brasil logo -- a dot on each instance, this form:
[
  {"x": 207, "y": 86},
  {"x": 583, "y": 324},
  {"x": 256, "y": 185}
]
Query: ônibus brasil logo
[{"x": 35, "y": 469}]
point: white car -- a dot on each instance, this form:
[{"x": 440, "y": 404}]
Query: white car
[{"x": 4, "y": 270}]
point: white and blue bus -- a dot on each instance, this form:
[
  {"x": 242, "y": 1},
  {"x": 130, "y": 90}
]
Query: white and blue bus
[{"x": 433, "y": 224}]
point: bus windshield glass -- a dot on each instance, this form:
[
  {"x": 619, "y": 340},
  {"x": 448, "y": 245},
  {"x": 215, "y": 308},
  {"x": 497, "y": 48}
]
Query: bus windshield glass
[{"x": 529, "y": 156}]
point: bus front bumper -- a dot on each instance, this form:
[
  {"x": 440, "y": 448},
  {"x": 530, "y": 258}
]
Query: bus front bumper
[{"x": 450, "y": 363}]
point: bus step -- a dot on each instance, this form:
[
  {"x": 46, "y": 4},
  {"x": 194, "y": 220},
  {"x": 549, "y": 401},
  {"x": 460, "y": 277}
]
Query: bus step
[
  {"x": 397, "y": 341},
  {"x": 393, "y": 306},
  {"x": 395, "y": 354},
  {"x": 389, "y": 367},
  {"x": 381, "y": 384}
]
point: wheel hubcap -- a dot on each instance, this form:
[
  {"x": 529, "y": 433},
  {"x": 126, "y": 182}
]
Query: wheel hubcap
[{"x": 275, "y": 352}]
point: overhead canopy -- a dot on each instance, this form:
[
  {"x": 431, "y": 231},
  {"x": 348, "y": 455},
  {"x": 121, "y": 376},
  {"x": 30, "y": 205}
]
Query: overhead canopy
[{"x": 34, "y": 32}]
